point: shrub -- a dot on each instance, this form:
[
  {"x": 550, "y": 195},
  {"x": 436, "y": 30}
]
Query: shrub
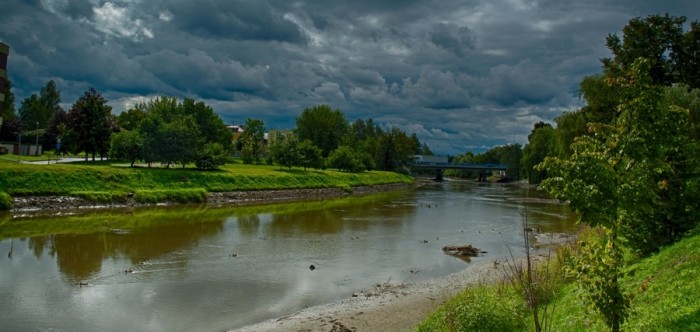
[{"x": 5, "y": 201}]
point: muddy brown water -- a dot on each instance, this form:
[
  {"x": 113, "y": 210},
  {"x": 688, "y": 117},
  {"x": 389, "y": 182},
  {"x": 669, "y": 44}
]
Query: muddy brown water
[{"x": 221, "y": 273}]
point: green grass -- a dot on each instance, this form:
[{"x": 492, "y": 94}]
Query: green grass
[
  {"x": 665, "y": 292},
  {"x": 106, "y": 182}
]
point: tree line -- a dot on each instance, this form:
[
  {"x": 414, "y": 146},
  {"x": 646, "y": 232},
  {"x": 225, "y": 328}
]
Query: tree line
[{"x": 171, "y": 132}]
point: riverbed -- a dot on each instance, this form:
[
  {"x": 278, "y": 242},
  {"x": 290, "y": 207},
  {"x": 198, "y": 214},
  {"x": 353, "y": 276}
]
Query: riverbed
[{"x": 212, "y": 269}]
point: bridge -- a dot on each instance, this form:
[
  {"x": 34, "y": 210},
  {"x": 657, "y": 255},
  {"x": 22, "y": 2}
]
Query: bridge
[{"x": 439, "y": 164}]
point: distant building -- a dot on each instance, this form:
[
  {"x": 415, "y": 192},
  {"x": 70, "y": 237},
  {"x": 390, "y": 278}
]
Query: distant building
[{"x": 4, "y": 52}]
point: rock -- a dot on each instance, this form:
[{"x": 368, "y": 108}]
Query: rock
[{"x": 312, "y": 267}]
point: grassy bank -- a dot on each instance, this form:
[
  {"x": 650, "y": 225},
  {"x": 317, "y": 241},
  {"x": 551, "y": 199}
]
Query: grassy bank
[
  {"x": 664, "y": 292},
  {"x": 106, "y": 182}
]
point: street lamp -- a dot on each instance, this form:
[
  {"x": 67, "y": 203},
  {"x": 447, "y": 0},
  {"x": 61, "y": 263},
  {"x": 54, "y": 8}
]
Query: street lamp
[{"x": 36, "y": 146}]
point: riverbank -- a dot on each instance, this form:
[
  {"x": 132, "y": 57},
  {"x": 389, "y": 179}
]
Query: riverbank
[
  {"x": 386, "y": 307},
  {"x": 101, "y": 184},
  {"x": 57, "y": 203}
]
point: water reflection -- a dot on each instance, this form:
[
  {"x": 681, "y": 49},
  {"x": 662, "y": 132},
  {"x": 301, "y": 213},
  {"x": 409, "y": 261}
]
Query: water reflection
[{"x": 228, "y": 267}]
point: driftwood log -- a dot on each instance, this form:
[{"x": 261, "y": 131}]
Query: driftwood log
[{"x": 462, "y": 251}]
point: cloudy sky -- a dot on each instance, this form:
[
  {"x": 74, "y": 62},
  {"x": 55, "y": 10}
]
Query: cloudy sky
[{"x": 462, "y": 75}]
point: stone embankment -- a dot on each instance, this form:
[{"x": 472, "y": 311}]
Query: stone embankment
[{"x": 53, "y": 203}]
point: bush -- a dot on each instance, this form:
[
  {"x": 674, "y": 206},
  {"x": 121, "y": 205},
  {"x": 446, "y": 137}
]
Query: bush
[
  {"x": 212, "y": 156},
  {"x": 5, "y": 201}
]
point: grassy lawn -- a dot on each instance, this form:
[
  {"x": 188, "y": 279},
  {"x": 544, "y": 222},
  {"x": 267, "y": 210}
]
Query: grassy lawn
[{"x": 107, "y": 181}]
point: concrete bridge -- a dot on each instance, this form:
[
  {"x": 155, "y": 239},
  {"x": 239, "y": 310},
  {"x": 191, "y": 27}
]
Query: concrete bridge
[{"x": 439, "y": 164}]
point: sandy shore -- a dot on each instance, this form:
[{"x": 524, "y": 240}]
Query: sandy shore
[{"x": 389, "y": 307}]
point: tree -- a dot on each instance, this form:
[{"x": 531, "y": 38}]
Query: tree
[
  {"x": 323, "y": 126},
  {"x": 344, "y": 159},
  {"x": 211, "y": 126},
  {"x": 130, "y": 119},
  {"x": 541, "y": 144},
  {"x": 309, "y": 155},
  {"x": 127, "y": 145},
  {"x": 673, "y": 55},
  {"x": 569, "y": 126},
  {"x": 252, "y": 140},
  {"x": 284, "y": 150},
  {"x": 636, "y": 178},
  {"x": 212, "y": 156},
  {"x": 92, "y": 123},
  {"x": 40, "y": 108},
  {"x": 658, "y": 39},
  {"x": 179, "y": 141}
]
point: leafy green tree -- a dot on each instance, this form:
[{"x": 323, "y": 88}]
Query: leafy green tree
[
  {"x": 91, "y": 122},
  {"x": 127, "y": 145},
  {"x": 252, "y": 140},
  {"x": 396, "y": 150},
  {"x": 655, "y": 38},
  {"x": 344, "y": 158},
  {"x": 323, "y": 126},
  {"x": 212, "y": 156},
  {"x": 179, "y": 141},
  {"x": 569, "y": 126},
  {"x": 131, "y": 118},
  {"x": 285, "y": 151},
  {"x": 210, "y": 124},
  {"x": 541, "y": 144},
  {"x": 150, "y": 128},
  {"x": 309, "y": 155},
  {"x": 40, "y": 108}
]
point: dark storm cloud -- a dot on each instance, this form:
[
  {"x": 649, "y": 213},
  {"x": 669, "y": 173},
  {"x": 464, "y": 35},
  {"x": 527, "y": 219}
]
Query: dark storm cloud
[{"x": 459, "y": 74}]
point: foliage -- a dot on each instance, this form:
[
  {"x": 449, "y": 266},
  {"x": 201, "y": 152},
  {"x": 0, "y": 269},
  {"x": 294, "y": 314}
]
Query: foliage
[
  {"x": 131, "y": 118},
  {"x": 396, "y": 150},
  {"x": 323, "y": 126},
  {"x": 569, "y": 126},
  {"x": 596, "y": 268},
  {"x": 178, "y": 133},
  {"x": 638, "y": 174},
  {"x": 310, "y": 155},
  {"x": 127, "y": 145},
  {"x": 345, "y": 158},
  {"x": 212, "y": 156},
  {"x": 251, "y": 140},
  {"x": 478, "y": 308},
  {"x": 179, "y": 141},
  {"x": 5, "y": 201},
  {"x": 40, "y": 108},
  {"x": 657, "y": 39},
  {"x": 541, "y": 144},
  {"x": 91, "y": 123}
]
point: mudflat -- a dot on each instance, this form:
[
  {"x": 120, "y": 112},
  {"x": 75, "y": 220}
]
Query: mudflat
[{"x": 386, "y": 307}]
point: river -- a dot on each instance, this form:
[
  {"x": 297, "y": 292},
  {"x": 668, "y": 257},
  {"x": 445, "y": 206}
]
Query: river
[{"x": 210, "y": 269}]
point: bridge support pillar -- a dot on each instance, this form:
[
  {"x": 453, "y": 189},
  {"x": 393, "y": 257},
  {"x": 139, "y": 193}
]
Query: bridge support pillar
[{"x": 438, "y": 174}]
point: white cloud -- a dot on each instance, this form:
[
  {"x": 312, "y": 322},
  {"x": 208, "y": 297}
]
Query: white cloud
[{"x": 116, "y": 20}]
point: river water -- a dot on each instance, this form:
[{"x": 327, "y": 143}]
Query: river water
[{"x": 211, "y": 269}]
